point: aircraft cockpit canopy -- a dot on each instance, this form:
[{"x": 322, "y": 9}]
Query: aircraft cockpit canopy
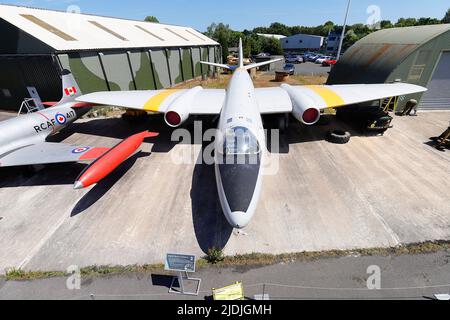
[{"x": 240, "y": 141}]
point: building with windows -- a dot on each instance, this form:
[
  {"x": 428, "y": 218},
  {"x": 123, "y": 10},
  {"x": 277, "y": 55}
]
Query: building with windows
[
  {"x": 333, "y": 42},
  {"x": 103, "y": 53},
  {"x": 418, "y": 55},
  {"x": 302, "y": 42}
]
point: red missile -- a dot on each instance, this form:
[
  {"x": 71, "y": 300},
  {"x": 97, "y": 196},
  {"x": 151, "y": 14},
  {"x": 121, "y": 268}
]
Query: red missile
[{"x": 108, "y": 162}]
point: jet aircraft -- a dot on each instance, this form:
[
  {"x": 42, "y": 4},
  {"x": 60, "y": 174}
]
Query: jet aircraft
[
  {"x": 23, "y": 139},
  {"x": 239, "y": 154}
]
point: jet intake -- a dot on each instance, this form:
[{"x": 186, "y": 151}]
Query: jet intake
[
  {"x": 302, "y": 110},
  {"x": 311, "y": 116},
  {"x": 178, "y": 111},
  {"x": 174, "y": 119}
]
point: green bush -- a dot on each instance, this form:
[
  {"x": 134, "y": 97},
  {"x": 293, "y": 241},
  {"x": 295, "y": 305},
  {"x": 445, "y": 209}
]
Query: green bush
[{"x": 215, "y": 255}]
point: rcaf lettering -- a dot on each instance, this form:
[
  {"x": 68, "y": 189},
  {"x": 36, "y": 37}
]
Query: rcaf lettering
[{"x": 51, "y": 124}]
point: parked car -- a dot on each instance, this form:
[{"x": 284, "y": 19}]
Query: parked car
[
  {"x": 322, "y": 59},
  {"x": 289, "y": 68},
  {"x": 263, "y": 55},
  {"x": 330, "y": 62},
  {"x": 294, "y": 59},
  {"x": 315, "y": 57}
]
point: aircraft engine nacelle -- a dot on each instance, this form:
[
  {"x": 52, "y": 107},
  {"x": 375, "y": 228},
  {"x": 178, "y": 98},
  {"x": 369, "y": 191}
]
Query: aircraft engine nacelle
[
  {"x": 179, "y": 110},
  {"x": 176, "y": 117},
  {"x": 302, "y": 109}
]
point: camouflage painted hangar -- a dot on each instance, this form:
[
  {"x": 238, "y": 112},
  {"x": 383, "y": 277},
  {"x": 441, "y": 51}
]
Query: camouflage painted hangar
[
  {"x": 103, "y": 53},
  {"x": 417, "y": 55}
]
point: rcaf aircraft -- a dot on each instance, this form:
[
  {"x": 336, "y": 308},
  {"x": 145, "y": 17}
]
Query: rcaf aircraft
[
  {"x": 239, "y": 153},
  {"x": 23, "y": 139}
]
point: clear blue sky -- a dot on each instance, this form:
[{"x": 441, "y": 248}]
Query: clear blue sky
[{"x": 248, "y": 14}]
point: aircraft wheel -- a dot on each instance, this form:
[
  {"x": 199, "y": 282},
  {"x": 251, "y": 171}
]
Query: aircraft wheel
[{"x": 338, "y": 136}]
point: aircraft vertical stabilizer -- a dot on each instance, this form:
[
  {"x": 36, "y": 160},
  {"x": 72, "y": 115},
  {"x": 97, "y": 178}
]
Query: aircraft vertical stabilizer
[{"x": 70, "y": 88}]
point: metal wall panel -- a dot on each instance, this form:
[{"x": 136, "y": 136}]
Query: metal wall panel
[
  {"x": 176, "y": 72},
  {"x": 161, "y": 73},
  {"x": 196, "y": 58},
  {"x": 438, "y": 95},
  {"x": 186, "y": 60},
  {"x": 87, "y": 70},
  {"x": 118, "y": 71},
  {"x": 142, "y": 70}
]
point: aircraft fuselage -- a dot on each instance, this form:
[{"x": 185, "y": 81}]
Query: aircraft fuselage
[
  {"x": 35, "y": 127},
  {"x": 240, "y": 153}
]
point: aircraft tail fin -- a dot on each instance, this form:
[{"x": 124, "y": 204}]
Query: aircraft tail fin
[
  {"x": 70, "y": 88},
  {"x": 241, "y": 61},
  {"x": 241, "y": 54}
]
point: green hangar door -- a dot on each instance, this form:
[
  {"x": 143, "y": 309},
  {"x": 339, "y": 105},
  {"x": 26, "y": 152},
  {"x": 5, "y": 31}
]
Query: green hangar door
[{"x": 438, "y": 95}]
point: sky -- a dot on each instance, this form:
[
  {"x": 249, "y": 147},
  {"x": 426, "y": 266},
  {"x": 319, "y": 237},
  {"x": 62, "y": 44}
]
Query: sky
[{"x": 241, "y": 15}]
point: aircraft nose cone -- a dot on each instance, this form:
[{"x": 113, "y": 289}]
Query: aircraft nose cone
[
  {"x": 239, "y": 220},
  {"x": 78, "y": 185}
]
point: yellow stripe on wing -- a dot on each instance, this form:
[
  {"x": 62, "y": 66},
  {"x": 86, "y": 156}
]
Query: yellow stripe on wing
[
  {"x": 331, "y": 98},
  {"x": 155, "y": 102}
]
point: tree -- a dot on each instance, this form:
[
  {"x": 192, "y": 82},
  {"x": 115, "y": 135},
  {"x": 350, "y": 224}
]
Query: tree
[
  {"x": 152, "y": 19},
  {"x": 386, "y": 24},
  {"x": 427, "y": 21},
  {"x": 272, "y": 46},
  {"x": 446, "y": 17},
  {"x": 408, "y": 22},
  {"x": 328, "y": 27},
  {"x": 350, "y": 39},
  {"x": 222, "y": 34}
]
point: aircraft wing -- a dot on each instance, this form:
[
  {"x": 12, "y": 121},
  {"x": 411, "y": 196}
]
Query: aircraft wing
[
  {"x": 204, "y": 102},
  {"x": 281, "y": 100},
  {"x": 46, "y": 153},
  {"x": 270, "y": 100}
]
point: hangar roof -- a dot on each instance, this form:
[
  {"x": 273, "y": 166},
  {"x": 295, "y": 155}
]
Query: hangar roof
[
  {"x": 65, "y": 31},
  {"x": 375, "y": 57}
]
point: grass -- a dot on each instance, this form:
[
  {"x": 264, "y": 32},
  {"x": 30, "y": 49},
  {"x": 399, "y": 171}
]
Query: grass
[
  {"x": 215, "y": 257},
  {"x": 261, "y": 80}
]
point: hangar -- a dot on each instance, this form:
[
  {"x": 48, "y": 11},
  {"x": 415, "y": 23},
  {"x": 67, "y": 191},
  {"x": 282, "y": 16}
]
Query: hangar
[
  {"x": 417, "y": 55},
  {"x": 103, "y": 53}
]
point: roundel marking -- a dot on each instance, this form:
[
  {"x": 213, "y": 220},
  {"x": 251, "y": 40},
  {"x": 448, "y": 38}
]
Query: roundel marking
[
  {"x": 60, "y": 118},
  {"x": 80, "y": 150}
]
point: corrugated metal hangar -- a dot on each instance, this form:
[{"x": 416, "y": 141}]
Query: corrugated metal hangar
[
  {"x": 417, "y": 55},
  {"x": 103, "y": 53}
]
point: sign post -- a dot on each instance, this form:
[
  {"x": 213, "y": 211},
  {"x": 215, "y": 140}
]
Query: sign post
[{"x": 183, "y": 264}]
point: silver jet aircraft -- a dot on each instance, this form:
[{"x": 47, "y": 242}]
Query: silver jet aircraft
[
  {"x": 240, "y": 150},
  {"x": 23, "y": 140}
]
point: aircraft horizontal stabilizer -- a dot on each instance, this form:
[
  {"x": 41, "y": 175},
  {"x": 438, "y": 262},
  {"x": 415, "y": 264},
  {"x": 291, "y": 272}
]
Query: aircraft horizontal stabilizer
[{"x": 219, "y": 65}]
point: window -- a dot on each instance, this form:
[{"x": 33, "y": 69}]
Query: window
[
  {"x": 332, "y": 39},
  {"x": 150, "y": 33},
  {"x": 98, "y": 25},
  {"x": 173, "y": 32},
  {"x": 240, "y": 141},
  {"x": 48, "y": 27}
]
